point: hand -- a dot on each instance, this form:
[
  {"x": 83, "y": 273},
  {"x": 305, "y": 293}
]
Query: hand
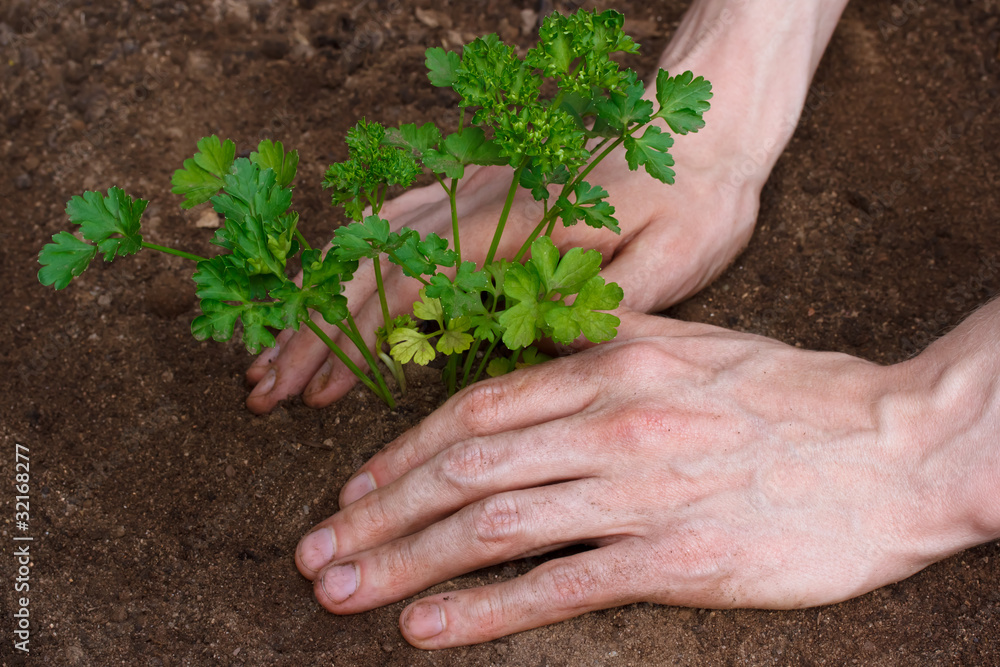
[{"x": 708, "y": 468}]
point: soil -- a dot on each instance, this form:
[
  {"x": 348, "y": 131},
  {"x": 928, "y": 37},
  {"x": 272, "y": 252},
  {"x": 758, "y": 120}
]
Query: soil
[{"x": 165, "y": 515}]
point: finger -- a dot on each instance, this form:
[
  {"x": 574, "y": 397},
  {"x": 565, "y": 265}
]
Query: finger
[
  {"x": 531, "y": 396},
  {"x": 300, "y": 356},
  {"x": 493, "y": 530},
  {"x": 560, "y": 589},
  {"x": 458, "y": 476},
  {"x": 262, "y": 364}
]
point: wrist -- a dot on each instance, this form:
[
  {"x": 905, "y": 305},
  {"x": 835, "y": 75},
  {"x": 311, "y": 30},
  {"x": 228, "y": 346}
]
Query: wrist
[
  {"x": 760, "y": 57},
  {"x": 951, "y": 420}
]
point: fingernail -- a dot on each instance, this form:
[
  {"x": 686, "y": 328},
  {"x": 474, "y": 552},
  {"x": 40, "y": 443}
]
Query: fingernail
[
  {"x": 340, "y": 582},
  {"x": 358, "y": 487},
  {"x": 424, "y": 621},
  {"x": 265, "y": 384},
  {"x": 321, "y": 379},
  {"x": 318, "y": 548}
]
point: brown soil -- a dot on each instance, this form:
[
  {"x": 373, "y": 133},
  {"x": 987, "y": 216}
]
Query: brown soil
[{"x": 165, "y": 515}]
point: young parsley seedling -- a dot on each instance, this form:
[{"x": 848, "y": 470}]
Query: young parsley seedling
[{"x": 548, "y": 139}]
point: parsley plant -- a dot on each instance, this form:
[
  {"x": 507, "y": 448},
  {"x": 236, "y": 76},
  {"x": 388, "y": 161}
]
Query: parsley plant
[{"x": 552, "y": 116}]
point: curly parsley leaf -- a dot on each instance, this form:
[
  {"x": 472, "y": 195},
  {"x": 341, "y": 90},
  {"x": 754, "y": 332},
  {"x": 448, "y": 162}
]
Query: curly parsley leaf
[
  {"x": 64, "y": 259},
  {"x": 201, "y": 177},
  {"x": 683, "y": 99},
  {"x": 650, "y": 150},
  {"x": 589, "y": 207}
]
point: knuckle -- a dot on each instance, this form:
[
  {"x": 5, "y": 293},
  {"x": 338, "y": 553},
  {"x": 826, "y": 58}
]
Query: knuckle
[
  {"x": 641, "y": 355},
  {"x": 397, "y": 565},
  {"x": 405, "y": 457},
  {"x": 479, "y": 408},
  {"x": 641, "y": 424},
  {"x": 495, "y": 519},
  {"x": 489, "y": 611},
  {"x": 571, "y": 587},
  {"x": 369, "y": 518},
  {"x": 467, "y": 465}
]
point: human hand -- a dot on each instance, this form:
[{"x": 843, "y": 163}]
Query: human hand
[{"x": 709, "y": 468}]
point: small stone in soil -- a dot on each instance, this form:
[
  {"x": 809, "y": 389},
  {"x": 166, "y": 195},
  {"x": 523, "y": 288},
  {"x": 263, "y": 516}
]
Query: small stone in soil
[{"x": 23, "y": 181}]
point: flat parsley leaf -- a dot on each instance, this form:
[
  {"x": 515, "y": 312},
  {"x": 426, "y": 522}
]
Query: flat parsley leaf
[
  {"x": 650, "y": 150},
  {"x": 589, "y": 207},
  {"x": 683, "y": 99},
  {"x": 64, "y": 259},
  {"x": 411, "y": 345},
  {"x": 272, "y": 155},
  {"x": 441, "y": 66},
  {"x": 201, "y": 177}
]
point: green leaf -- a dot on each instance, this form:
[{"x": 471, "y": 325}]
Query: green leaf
[
  {"x": 443, "y": 163},
  {"x": 520, "y": 323},
  {"x": 463, "y": 295},
  {"x": 651, "y": 150},
  {"x": 565, "y": 323},
  {"x": 535, "y": 179},
  {"x": 575, "y": 268},
  {"x": 453, "y": 341},
  {"x": 422, "y": 257},
  {"x": 368, "y": 238},
  {"x": 589, "y": 207},
  {"x": 201, "y": 177},
  {"x": 622, "y": 110},
  {"x": 410, "y": 344},
  {"x": 544, "y": 259},
  {"x": 271, "y": 155},
  {"x": 499, "y": 366},
  {"x": 683, "y": 100},
  {"x": 64, "y": 259},
  {"x": 471, "y": 147},
  {"x": 417, "y": 139},
  {"x": 428, "y": 309},
  {"x": 112, "y": 222},
  {"x": 441, "y": 66}
]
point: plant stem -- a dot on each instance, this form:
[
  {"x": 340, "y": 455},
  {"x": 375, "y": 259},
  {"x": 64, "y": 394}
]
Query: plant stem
[
  {"x": 533, "y": 235},
  {"x": 381, "y": 295},
  {"x": 385, "y": 396},
  {"x": 505, "y": 213},
  {"x": 486, "y": 359},
  {"x": 302, "y": 240},
  {"x": 171, "y": 251},
  {"x": 451, "y": 373},
  {"x": 355, "y": 335},
  {"x": 454, "y": 218}
]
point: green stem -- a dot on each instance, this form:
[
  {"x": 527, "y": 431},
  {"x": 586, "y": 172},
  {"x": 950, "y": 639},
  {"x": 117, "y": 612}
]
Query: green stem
[
  {"x": 534, "y": 235},
  {"x": 450, "y": 373},
  {"x": 302, "y": 240},
  {"x": 385, "y": 396},
  {"x": 505, "y": 213},
  {"x": 171, "y": 251},
  {"x": 355, "y": 335},
  {"x": 485, "y": 362},
  {"x": 454, "y": 218},
  {"x": 381, "y": 295}
]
